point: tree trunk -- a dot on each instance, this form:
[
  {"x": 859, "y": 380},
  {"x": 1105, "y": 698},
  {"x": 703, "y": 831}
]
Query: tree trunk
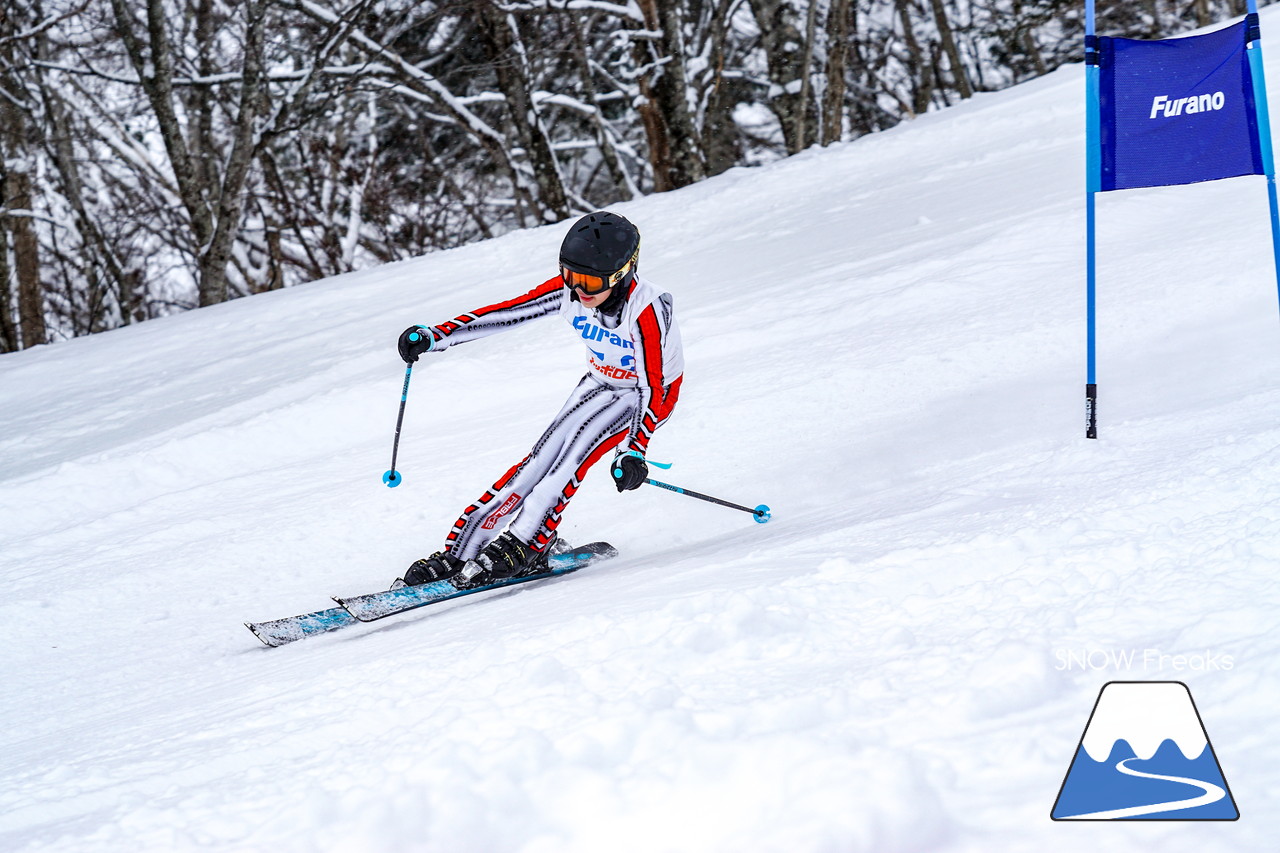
[
  {"x": 803, "y": 135},
  {"x": 230, "y": 195},
  {"x": 685, "y": 163},
  {"x": 507, "y": 57},
  {"x": 153, "y": 63},
  {"x": 213, "y": 210},
  {"x": 1157, "y": 25},
  {"x": 1204, "y": 17},
  {"x": 720, "y": 144},
  {"x": 608, "y": 151},
  {"x": 1033, "y": 50},
  {"x": 656, "y": 133},
  {"x": 8, "y": 331},
  {"x": 312, "y": 267},
  {"x": 9, "y": 338},
  {"x": 18, "y": 156},
  {"x": 26, "y": 255},
  {"x": 781, "y": 42},
  {"x": 837, "y": 50},
  {"x": 204, "y": 150},
  {"x": 921, "y": 75},
  {"x": 862, "y": 110},
  {"x": 1022, "y": 40},
  {"x": 958, "y": 72}
]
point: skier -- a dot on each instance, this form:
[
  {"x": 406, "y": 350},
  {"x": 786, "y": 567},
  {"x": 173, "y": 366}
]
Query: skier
[{"x": 636, "y": 366}]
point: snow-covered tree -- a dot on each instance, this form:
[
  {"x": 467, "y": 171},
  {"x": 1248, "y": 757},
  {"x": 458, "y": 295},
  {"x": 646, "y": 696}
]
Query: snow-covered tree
[{"x": 163, "y": 154}]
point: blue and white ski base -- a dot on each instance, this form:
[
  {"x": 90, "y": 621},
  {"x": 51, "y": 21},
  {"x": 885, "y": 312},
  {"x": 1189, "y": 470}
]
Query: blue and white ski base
[
  {"x": 277, "y": 632},
  {"x": 378, "y": 605}
]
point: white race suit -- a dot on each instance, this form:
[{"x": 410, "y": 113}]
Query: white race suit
[{"x": 637, "y": 363}]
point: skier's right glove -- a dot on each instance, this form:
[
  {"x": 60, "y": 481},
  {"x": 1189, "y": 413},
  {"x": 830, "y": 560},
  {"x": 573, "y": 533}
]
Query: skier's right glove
[{"x": 414, "y": 341}]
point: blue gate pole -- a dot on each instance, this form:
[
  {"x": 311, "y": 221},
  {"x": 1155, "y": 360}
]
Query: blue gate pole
[
  {"x": 1264, "y": 130},
  {"x": 1093, "y": 184}
]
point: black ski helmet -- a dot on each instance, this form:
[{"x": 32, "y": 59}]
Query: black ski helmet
[{"x": 604, "y": 245}]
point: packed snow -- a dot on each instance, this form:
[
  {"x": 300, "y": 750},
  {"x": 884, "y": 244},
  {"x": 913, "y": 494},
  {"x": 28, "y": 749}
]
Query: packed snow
[{"x": 884, "y": 342}]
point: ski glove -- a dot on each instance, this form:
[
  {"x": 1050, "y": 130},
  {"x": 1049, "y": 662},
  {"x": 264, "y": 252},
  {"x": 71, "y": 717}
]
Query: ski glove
[
  {"x": 629, "y": 471},
  {"x": 414, "y": 341}
]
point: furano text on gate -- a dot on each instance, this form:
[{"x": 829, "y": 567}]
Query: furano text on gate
[{"x": 1173, "y": 107}]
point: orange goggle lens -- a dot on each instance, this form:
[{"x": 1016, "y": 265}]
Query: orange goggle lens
[
  {"x": 591, "y": 284},
  {"x": 587, "y": 283}
]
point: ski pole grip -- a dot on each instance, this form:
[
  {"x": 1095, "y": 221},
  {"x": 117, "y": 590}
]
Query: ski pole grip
[
  {"x": 420, "y": 334},
  {"x": 616, "y": 468}
]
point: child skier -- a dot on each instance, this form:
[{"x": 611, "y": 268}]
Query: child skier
[{"x": 636, "y": 361}]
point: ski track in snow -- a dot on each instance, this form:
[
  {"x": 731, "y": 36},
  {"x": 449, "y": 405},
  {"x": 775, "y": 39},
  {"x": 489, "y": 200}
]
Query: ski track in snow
[{"x": 885, "y": 343}]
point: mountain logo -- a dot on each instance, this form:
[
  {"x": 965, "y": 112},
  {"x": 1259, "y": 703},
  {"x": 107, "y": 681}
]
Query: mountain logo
[{"x": 1144, "y": 755}]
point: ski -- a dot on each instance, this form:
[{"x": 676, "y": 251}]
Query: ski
[
  {"x": 377, "y": 605},
  {"x": 401, "y": 598},
  {"x": 277, "y": 632}
]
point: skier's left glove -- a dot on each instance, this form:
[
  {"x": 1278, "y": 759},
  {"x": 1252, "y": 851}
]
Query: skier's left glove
[{"x": 629, "y": 471}]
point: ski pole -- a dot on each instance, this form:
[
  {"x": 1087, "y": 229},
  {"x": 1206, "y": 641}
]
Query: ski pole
[
  {"x": 393, "y": 477},
  {"x": 761, "y": 513}
]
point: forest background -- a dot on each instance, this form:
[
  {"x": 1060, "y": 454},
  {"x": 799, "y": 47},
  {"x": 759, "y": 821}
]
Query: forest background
[{"x": 159, "y": 155}]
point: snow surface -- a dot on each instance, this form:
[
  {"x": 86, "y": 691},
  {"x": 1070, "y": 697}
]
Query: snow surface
[{"x": 885, "y": 342}]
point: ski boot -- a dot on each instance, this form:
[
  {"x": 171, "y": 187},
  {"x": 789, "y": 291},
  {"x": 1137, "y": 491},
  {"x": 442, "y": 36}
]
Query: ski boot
[
  {"x": 440, "y": 566},
  {"x": 504, "y": 558}
]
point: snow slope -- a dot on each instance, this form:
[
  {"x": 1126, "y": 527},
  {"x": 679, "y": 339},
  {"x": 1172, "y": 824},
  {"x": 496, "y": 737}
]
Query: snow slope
[{"x": 885, "y": 343}]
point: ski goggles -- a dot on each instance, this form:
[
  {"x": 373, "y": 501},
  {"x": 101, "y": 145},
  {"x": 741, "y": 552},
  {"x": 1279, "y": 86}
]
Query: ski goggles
[{"x": 592, "y": 284}]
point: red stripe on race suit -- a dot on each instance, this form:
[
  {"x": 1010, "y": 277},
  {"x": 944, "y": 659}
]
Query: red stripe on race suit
[
  {"x": 605, "y": 446},
  {"x": 553, "y": 518},
  {"x": 506, "y": 478},
  {"x": 651, "y": 346},
  {"x": 662, "y": 398},
  {"x": 549, "y": 286}
]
